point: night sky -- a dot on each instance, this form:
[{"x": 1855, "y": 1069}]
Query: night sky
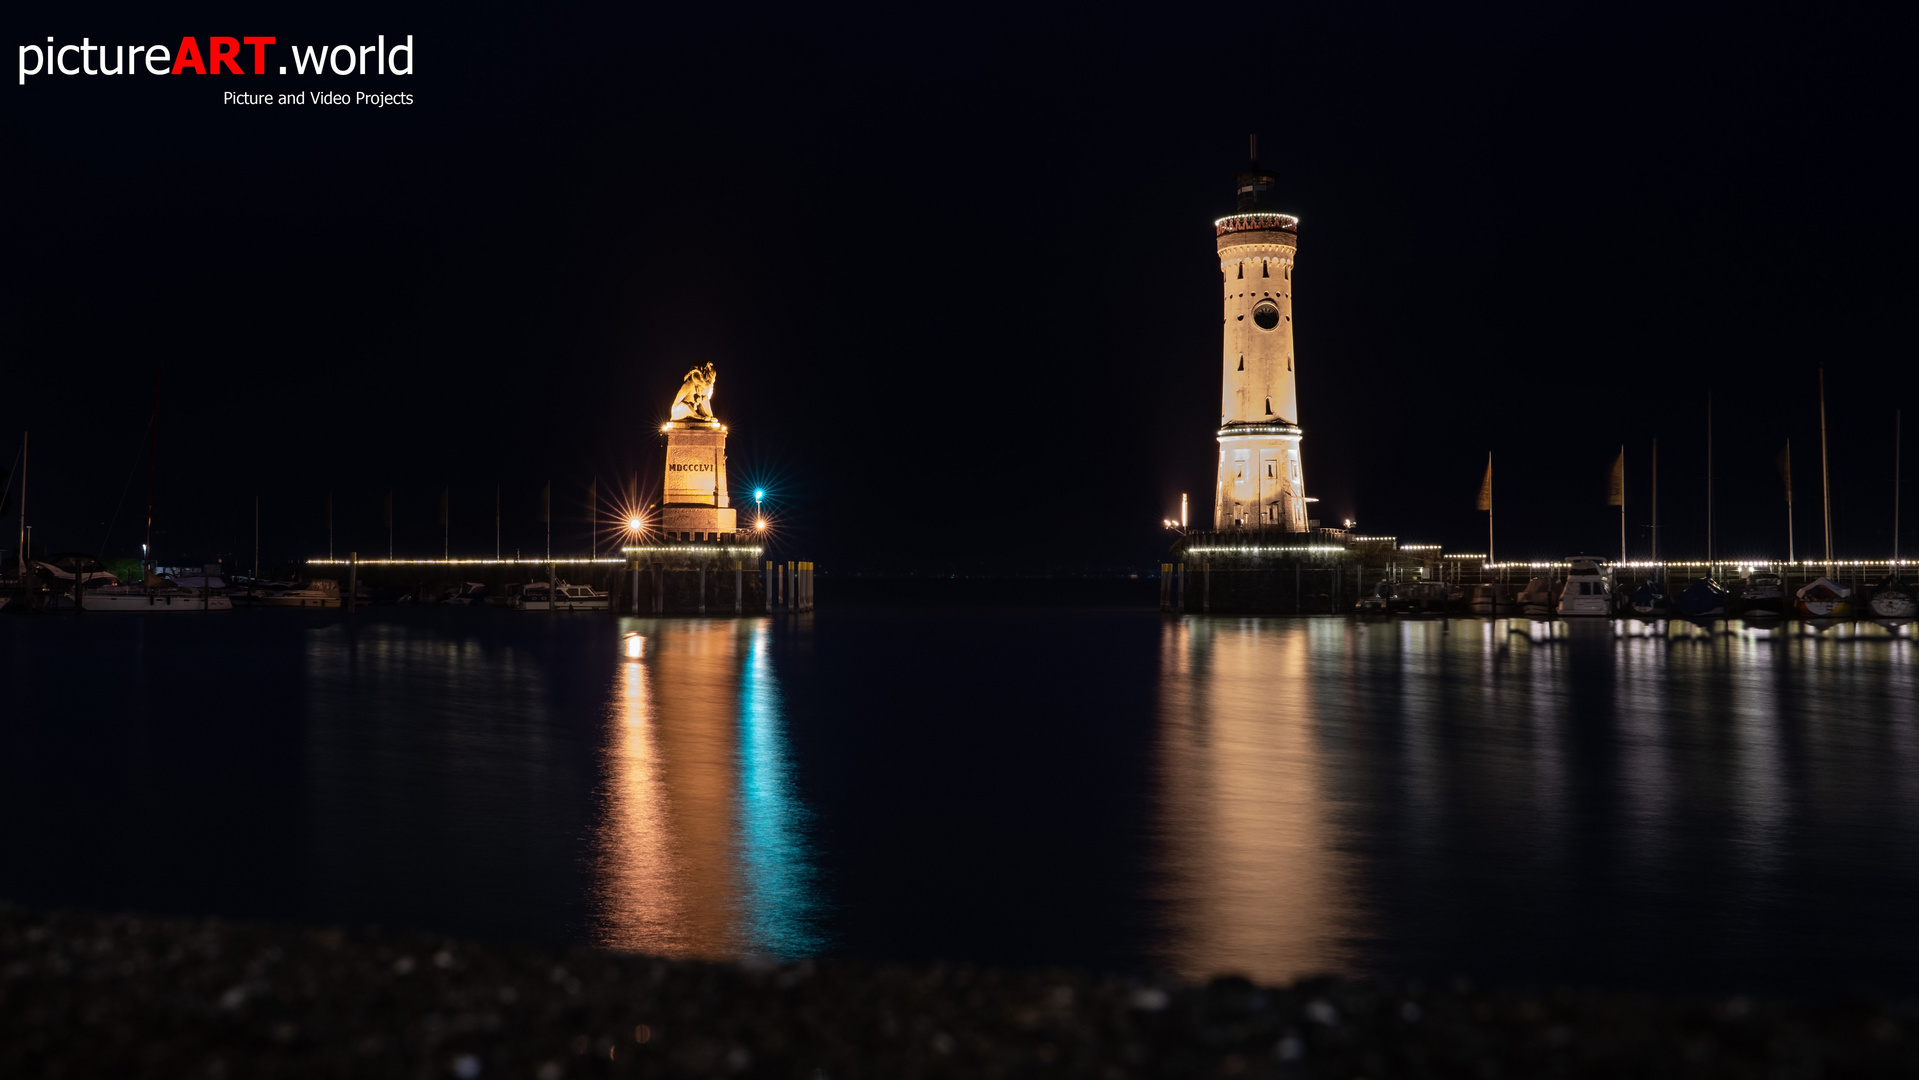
[{"x": 957, "y": 274}]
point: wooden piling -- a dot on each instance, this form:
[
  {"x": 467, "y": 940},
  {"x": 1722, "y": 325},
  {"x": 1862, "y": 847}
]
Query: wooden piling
[{"x": 352, "y": 580}]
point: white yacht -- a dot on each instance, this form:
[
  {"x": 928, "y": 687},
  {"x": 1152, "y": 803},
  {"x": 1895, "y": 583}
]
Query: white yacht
[
  {"x": 102, "y": 591},
  {"x": 1588, "y": 588}
]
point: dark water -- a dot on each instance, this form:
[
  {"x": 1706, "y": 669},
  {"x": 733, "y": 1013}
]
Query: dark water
[{"x": 1024, "y": 785}]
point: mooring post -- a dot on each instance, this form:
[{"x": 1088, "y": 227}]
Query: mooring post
[
  {"x": 1206, "y": 585},
  {"x": 1180, "y": 602},
  {"x": 352, "y": 580},
  {"x": 702, "y": 588},
  {"x": 552, "y": 587},
  {"x": 739, "y": 585},
  {"x": 1296, "y": 604}
]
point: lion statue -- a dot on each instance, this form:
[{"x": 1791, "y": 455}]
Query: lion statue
[{"x": 695, "y": 399}]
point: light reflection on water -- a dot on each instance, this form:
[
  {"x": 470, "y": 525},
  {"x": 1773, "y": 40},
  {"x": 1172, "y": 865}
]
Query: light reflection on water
[
  {"x": 1660, "y": 805},
  {"x": 703, "y": 849},
  {"x": 1253, "y": 879},
  {"x": 1534, "y": 796}
]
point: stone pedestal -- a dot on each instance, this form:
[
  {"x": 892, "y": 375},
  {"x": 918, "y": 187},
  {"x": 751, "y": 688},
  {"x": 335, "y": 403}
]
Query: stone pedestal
[{"x": 696, "y": 506}]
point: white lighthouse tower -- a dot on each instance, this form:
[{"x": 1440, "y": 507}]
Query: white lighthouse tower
[{"x": 1261, "y": 485}]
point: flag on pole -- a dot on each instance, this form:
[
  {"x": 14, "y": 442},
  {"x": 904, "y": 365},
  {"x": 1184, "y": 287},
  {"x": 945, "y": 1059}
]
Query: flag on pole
[
  {"x": 1616, "y": 491},
  {"x": 443, "y": 495},
  {"x": 1785, "y": 469},
  {"x": 1486, "y": 487},
  {"x": 546, "y": 503},
  {"x": 389, "y": 508}
]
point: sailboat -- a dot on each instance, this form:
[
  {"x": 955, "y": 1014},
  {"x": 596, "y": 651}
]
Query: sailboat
[
  {"x": 1893, "y": 599},
  {"x": 1762, "y": 595},
  {"x": 1824, "y": 598},
  {"x": 202, "y": 591},
  {"x": 1649, "y": 599},
  {"x": 1705, "y": 597}
]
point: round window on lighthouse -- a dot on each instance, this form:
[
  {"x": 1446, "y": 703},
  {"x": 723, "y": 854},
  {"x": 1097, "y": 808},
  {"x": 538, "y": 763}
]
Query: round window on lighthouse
[{"x": 1266, "y": 314}]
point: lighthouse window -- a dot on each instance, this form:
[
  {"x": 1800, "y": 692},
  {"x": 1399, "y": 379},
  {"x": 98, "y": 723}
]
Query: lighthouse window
[
  {"x": 1272, "y": 467},
  {"x": 1263, "y": 272},
  {"x": 1242, "y": 271},
  {"x": 1266, "y": 314}
]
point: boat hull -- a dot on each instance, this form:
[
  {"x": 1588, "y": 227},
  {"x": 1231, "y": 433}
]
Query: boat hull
[
  {"x": 1893, "y": 604},
  {"x": 1824, "y": 609},
  {"x": 599, "y": 604},
  {"x": 152, "y": 603}
]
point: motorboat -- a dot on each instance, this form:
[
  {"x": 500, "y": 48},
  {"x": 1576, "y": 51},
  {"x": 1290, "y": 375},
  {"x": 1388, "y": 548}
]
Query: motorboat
[
  {"x": 1762, "y": 593},
  {"x": 1824, "y": 598},
  {"x": 1489, "y": 599},
  {"x": 474, "y": 594},
  {"x": 1377, "y": 602},
  {"x": 150, "y": 598},
  {"x": 1537, "y": 597},
  {"x": 315, "y": 592},
  {"x": 1650, "y": 599},
  {"x": 103, "y": 591},
  {"x": 1893, "y": 599},
  {"x": 1588, "y": 588},
  {"x": 563, "y": 597},
  {"x": 1705, "y": 598},
  {"x": 1422, "y": 597}
]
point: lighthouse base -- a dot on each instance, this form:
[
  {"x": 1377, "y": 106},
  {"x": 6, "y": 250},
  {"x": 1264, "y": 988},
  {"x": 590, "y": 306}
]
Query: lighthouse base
[{"x": 1261, "y": 484}]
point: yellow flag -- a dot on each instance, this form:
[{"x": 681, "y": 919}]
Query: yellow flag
[
  {"x": 1486, "y": 487},
  {"x": 1616, "y": 492}
]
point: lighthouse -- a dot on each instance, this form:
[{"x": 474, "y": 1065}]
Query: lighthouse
[{"x": 1261, "y": 485}]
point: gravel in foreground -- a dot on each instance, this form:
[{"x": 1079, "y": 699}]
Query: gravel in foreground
[{"x": 123, "y": 996}]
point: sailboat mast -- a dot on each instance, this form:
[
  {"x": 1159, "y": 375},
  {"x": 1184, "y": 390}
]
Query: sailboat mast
[
  {"x": 1622, "y": 505},
  {"x": 153, "y": 450},
  {"x": 1791, "y": 555},
  {"x": 1825, "y": 483},
  {"x": 1655, "y": 503},
  {"x": 23, "y": 503},
  {"x": 1709, "y": 549},
  {"x": 1895, "y": 491}
]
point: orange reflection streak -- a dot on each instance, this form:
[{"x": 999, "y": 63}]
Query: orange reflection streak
[
  {"x": 667, "y": 883},
  {"x": 1254, "y": 879}
]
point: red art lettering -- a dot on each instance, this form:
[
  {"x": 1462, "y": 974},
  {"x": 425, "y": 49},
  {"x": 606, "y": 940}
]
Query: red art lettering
[
  {"x": 225, "y": 50},
  {"x": 189, "y": 57},
  {"x": 259, "y": 53}
]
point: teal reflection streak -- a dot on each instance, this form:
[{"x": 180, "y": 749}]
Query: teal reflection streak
[{"x": 779, "y": 906}]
